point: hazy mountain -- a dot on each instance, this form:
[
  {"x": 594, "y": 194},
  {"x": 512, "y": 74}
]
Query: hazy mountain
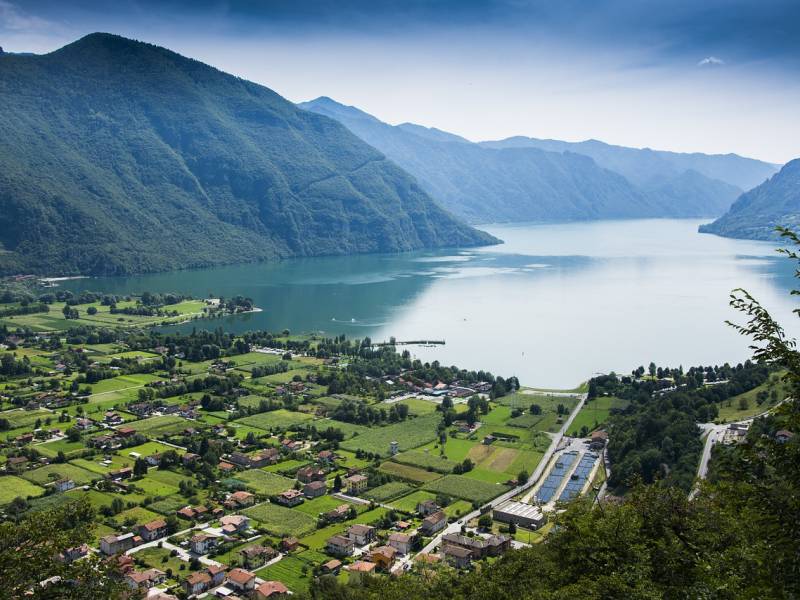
[
  {"x": 647, "y": 167},
  {"x": 495, "y": 185},
  {"x": 118, "y": 156},
  {"x": 757, "y": 213},
  {"x": 516, "y": 179}
]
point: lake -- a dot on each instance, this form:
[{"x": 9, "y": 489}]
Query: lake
[{"x": 554, "y": 304}]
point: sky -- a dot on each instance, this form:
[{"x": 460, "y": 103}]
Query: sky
[{"x": 713, "y": 76}]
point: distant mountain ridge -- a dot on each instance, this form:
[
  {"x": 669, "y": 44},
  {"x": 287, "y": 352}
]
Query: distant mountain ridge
[
  {"x": 118, "y": 156},
  {"x": 523, "y": 179},
  {"x": 757, "y": 213}
]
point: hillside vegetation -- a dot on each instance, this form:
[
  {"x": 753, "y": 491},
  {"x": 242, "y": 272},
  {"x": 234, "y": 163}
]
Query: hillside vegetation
[
  {"x": 118, "y": 156},
  {"x": 757, "y": 214}
]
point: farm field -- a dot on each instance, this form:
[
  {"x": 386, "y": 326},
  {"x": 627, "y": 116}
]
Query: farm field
[
  {"x": 408, "y": 473},
  {"x": 276, "y": 419},
  {"x": 156, "y": 426},
  {"x": 463, "y": 487},
  {"x": 51, "y": 472},
  {"x": 408, "y": 435},
  {"x": 594, "y": 414},
  {"x": 12, "y": 487},
  {"x": 280, "y": 521},
  {"x": 388, "y": 491},
  {"x": 264, "y": 482}
]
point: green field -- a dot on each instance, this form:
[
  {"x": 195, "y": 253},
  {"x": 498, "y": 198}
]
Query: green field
[
  {"x": 408, "y": 434},
  {"x": 281, "y": 418},
  {"x": 426, "y": 460},
  {"x": 156, "y": 426},
  {"x": 12, "y": 486},
  {"x": 263, "y": 482},
  {"x": 595, "y": 413},
  {"x": 317, "y": 505},
  {"x": 42, "y": 475},
  {"x": 465, "y": 488},
  {"x": 408, "y": 473},
  {"x": 289, "y": 571},
  {"x": 730, "y": 410},
  {"x": 387, "y": 491},
  {"x": 161, "y": 482},
  {"x": 281, "y": 521}
]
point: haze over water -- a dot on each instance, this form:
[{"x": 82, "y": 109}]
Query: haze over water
[{"x": 553, "y": 305}]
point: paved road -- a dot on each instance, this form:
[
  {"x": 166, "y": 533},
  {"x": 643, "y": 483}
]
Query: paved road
[{"x": 456, "y": 526}]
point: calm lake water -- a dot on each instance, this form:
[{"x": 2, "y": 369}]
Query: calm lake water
[{"x": 553, "y": 305}]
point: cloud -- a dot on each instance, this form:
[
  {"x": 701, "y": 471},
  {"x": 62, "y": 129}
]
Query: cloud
[
  {"x": 14, "y": 19},
  {"x": 710, "y": 61}
]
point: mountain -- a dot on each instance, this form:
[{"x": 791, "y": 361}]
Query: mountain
[
  {"x": 496, "y": 185},
  {"x": 723, "y": 175},
  {"x": 120, "y": 157},
  {"x": 757, "y": 213},
  {"x": 527, "y": 179}
]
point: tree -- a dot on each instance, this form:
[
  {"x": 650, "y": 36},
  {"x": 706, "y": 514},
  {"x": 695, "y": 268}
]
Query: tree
[
  {"x": 140, "y": 467},
  {"x": 485, "y": 522},
  {"x": 28, "y": 548},
  {"x": 91, "y": 310},
  {"x": 337, "y": 483},
  {"x": 535, "y": 409},
  {"x": 523, "y": 476}
]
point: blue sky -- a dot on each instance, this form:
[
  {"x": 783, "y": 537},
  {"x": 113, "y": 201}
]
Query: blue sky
[{"x": 712, "y": 76}]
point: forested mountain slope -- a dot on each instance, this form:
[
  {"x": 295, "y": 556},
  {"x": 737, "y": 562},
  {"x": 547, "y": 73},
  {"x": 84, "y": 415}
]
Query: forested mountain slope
[
  {"x": 757, "y": 213},
  {"x": 118, "y": 156}
]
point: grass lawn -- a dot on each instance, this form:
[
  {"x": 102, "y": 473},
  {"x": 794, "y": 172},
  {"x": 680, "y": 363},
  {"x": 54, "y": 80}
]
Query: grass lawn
[
  {"x": 42, "y": 475},
  {"x": 26, "y": 418},
  {"x": 425, "y": 460},
  {"x": 388, "y": 491},
  {"x": 317, "y": 539},
  {"x": 408, "y": 434},
  {"x": 409, "y": 503},
  {"x": 160, "y": 482},
  {"x": 281, "y": 418},
  {"x": 408, "y": 473},
  {"x": 12, "y": 486},
  {"x": 281, "y": 521},
  {"x": 290, "y": 572},
  {"x": 148, "y": 448},
  {"x": 155, "y": 557},
  {"x": 317, "y": 505},
  {"x": 595, "y": 413},
  {"x": 263, "y": 482},
  {"x": 418, "y": 406},
  {"x": 155, "y": 426},
  {"x": 746, "y": 405},
  {"x": 465, "y": 488},
  {"x": 141, "y": 515},
  {"x": 287, "y": 466},
  {"x": 51, "y": 449}
]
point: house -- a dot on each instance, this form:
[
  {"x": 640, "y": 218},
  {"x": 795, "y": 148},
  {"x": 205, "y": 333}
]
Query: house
[
  {"x": 234, "y": 523},
  {"x": 126, "y": 432},
  {"x": 145, "y": 579},
  {"x": 289, "y": 544},
  {"x": 401, "y": 542},
  {"x": 783, "y": 436},
  {"x": 598, "y": 440},
  {"x": 361, "y": 534},
  {"x": 153, "y": 530},
  {"x": 197, "y": 583},
  {"x": 240, "y": 459},
  {"x": 263, "y": 458},
  {"x": 187, "y": 512},
  {"x": 202, "y": 543},
  {"x": 113, "y": 544},
  {"x": 189, "y": 459},
  {"x": 479, "y": 547},
  {"x": 460, "y": 558},
  {"x": 123, "y": 473},
  {"x": 434, "y": 523},
  {"x": 270, "y": 589},
  {"x": 217, "y": 573},
  {"x": 383, "y": 556},
  {"x": 154, "y": 459},
  {"x": 72, "y": 554},
  {"x": 242, "y": 499},
  {"x": 332, "y": 566},
  {"x": 497, "y": 545},
  {"x": 326, "y": 457},
  {"x": 254, "y": 557},
  {"x": 290, "y": 498},
  {"x": 16, "y": 464},
  {"x": 339, "y": 513},
  {"x": 339, "y": 545},
  {"x": 355, "y": 484},
  {"x": 291, "y": 445},
  {"x": 226, "y": 467},
  {"x": 315, "y": 489},
  {"x": 427, "y": 507},
  {"x": 23, "y": 439},
  {"x": 309, "y": 474},
  {"x": 63, "y": 485},
  {"x": 360, "y": 568},
  {"x": 241, "y": 580}
]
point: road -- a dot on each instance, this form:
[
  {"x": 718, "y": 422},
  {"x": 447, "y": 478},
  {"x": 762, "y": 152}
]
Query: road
[{"x": 537, "y": 473}]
